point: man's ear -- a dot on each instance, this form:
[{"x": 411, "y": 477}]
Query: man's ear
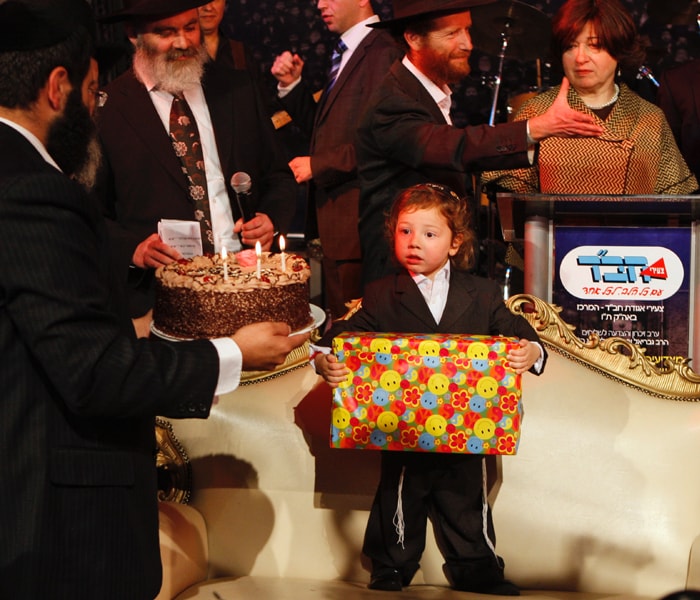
[
  {"x": 457, "y": 241},
  {"x": 413, "y": 40},
  {"x": 130, "y": 32},
  {"x": 58, "y": 87}
]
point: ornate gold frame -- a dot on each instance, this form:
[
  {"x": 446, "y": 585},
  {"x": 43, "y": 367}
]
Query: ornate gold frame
[
  {"x": 613, "y": 357},
  {"x": 297, "y": 358},
  {"x": 173, "y": 465}
]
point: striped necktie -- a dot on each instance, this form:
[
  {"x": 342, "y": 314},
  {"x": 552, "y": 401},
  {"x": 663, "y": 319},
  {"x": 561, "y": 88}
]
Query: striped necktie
[{"x": 336, "y": 57}]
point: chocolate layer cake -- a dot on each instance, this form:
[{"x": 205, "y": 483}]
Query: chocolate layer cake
[{"x": 196, "y": 299}]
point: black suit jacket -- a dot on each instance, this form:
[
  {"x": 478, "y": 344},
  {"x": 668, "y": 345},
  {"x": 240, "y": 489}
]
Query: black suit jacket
[
  {"x": 142, "y": 181},
  {"x": 679, "y": 98},
  {"x": 474, "y": 306},
  {"x": 78, "y": 508},
  {"x": 334, "y": 191},
  {"x": 404, "y": 140}
]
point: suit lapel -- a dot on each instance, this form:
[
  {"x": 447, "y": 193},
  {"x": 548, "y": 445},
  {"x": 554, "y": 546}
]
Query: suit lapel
[
  {"x": 459, "y": 301},
  {"x": 412, "y": 300},
  {"x": 695, "y": 89},
  {"x": 140, "y": 113},
  {"x": 415, "y": 89},
  {"x": 355, "y": 60},
  {"x": 219, "y": 97}
]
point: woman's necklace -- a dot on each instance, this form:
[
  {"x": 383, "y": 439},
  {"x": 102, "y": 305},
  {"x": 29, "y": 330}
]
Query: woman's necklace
[{"x": 608, "y": 103}]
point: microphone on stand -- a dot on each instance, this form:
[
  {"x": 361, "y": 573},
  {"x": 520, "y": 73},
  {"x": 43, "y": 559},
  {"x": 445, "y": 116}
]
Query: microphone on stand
[{"x": 241, "y": 184}]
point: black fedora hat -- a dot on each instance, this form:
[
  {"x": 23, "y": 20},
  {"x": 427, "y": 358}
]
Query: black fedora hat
[
  {"x": 151, "y": 8},
  {"x": 28, "y": 25},
  {"x": 406, "y": 11}
]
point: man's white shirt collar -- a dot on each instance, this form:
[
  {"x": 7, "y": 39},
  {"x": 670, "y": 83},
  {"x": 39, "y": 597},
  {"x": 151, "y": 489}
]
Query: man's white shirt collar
[
  {"x": 441, "y": 95},
  {"x": 353, "y": 37},
  {"x": 435, "y": 290},
  {"x": 358, "y": 32},
  {"x": 33, "y": 140}
]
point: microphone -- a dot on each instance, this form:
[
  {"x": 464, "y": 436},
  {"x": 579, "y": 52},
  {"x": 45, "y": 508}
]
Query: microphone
[
  {"x": 241, "y": 184},
  {"x": 645, "y": 71}
]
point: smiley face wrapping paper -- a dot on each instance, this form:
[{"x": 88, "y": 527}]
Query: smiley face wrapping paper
[{"x": 426, "y": 393}]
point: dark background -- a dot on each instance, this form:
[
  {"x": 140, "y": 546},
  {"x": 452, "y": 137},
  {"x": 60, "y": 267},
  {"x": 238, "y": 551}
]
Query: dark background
[{"x": 269, "y": 27}]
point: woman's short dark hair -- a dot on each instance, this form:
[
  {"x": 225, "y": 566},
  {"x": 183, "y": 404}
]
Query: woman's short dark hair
[{"x": 613, "y": 26}]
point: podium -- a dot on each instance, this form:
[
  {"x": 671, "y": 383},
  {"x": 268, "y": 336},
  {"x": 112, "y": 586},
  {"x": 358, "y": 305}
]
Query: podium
[{"x": 634, "y": 261}]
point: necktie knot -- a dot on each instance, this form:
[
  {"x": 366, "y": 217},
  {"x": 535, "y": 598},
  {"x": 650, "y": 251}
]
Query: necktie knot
[
  {"x": 340, "y": 47},
  {"x": 336, "y": 59}
]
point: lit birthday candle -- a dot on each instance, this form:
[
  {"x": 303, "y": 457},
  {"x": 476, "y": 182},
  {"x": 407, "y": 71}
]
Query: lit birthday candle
[
  {"x": 284, "y": 256},
  {"x": 258, "y": 253},
  {"x": 224, "y": 255}
]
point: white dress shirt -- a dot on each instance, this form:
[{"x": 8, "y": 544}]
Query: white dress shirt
[
  {"x": 219, "y": 202},
  {"x": 435, "y": 290},
  {"x": 441, "y": 95}
]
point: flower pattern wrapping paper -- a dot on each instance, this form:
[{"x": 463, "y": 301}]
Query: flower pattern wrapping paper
[{"x": 426, "y": 393}]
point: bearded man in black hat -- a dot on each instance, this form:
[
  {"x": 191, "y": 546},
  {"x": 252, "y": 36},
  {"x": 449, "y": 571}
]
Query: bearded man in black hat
[
  {"x": 406, "y": 136},
  {"x": 78, "y": 503},
  {"x": 144, "y": 180}
]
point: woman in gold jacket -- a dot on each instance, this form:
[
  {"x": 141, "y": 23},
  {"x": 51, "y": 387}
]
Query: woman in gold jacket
[{"x": 637, "y": 153}]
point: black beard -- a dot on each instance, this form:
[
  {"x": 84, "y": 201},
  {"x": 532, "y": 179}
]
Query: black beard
[{"x": 70, "y": 134}]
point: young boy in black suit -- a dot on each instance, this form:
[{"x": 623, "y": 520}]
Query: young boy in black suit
[{"x": 429, "y": 230}]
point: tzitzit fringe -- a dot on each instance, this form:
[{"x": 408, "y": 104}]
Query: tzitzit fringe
[
  {"x": 485, "y": 507},
  {"x": 400, "y": 525},
  {"x": 398, "y": 515}
]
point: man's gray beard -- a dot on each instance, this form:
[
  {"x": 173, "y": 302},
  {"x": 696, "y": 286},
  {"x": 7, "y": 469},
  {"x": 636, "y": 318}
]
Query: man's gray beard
[
  {"x": 87, "y": 174},
  {"x": 170, "y": 76}
]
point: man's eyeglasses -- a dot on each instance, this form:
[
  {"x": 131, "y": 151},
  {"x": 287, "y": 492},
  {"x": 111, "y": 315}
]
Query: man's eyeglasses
[{"x": 100, "y": 97}]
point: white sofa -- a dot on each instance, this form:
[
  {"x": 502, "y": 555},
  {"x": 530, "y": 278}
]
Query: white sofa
[{"x": 601, "y": 501}]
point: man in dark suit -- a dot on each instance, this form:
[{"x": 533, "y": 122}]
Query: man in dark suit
[
  {"x": 406, "y": 136},
  {"x": 78, "y": 506},
  {"x": 331, "y": 167},
  {"x": 144, "y": 181},
  {"x": 679, "y": 98}
]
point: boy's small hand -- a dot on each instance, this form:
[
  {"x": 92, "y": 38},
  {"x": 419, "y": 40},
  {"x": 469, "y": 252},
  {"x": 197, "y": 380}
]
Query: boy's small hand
[
  {"x": 522, "y": 358},
  {"x": 328, "y": 367}
]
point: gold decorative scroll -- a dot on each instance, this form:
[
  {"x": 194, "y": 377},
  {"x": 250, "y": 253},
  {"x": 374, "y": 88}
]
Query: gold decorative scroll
[
  {"x": 613, "y": 357},
  {"x": 297, "y": 358},
  {"x": 173, "y": 465}
]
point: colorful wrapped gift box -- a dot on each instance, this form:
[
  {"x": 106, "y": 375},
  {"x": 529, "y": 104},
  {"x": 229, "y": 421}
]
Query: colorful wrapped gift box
[{"x": 427, "y": 393}]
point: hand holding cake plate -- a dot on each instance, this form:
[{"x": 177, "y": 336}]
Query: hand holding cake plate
[{"x": 316, "y": 313}]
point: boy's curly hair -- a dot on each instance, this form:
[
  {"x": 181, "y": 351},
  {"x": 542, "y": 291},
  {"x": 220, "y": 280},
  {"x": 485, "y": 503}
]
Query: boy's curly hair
[{"x": 453, "y": 208}]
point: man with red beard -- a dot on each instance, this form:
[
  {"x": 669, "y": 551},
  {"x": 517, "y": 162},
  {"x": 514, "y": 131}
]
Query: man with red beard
[
  {"x": 143, "y": 180},
  {"x": 406, "y": 136}
]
